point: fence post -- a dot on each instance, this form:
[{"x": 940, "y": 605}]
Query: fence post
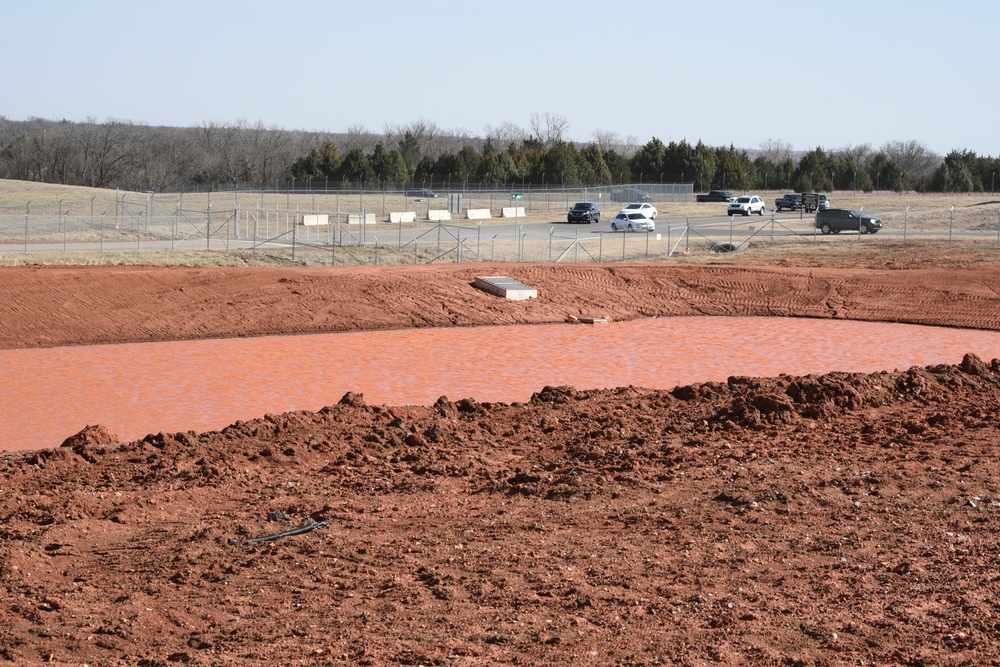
[
  {"x": 905, "y": 214},
  {"x": 951, "y": 223},
  {"x": 27, "y": 213},
  {"x": 551, "y": 230},
  {"x": 600, "y": 247}
]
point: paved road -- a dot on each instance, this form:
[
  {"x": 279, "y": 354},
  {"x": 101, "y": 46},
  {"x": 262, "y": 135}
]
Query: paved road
[{"x": 715, "y": 228}]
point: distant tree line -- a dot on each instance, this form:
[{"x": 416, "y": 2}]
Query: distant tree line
[{"x": 138, "y": 157}]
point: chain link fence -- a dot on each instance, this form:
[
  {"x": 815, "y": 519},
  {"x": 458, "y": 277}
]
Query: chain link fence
[{"x": 393, "y": 227}]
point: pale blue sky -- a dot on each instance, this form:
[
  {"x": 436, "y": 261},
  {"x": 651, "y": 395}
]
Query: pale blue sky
[{"x": 809, "y": 73}]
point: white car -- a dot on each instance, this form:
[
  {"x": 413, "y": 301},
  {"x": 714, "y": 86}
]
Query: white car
[
  {"x": 647, "y": 210},
  {"x": 632, "y": 221},
  {"x": 747, "y": 204}
]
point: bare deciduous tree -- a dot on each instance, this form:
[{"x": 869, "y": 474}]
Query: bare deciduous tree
[
  {"x": 630, "y": 145},
  {"x": 912, "y": 157},
  {"x": 776, "y": 151},
  {"x": 109, "y": 150},
  {"x": 505, "y": 134},
  {"x": 360, "y": 138},
  {"x": 859, "y": 155},
  {"x": 606, "y": 140},
  {"x": 549, "y": 128}
]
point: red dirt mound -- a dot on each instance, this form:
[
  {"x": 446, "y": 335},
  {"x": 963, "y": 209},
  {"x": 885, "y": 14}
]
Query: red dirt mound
[{"x": 838, "y": 519}]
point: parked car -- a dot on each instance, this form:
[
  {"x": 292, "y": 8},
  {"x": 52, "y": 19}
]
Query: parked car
[
  {"x": 717, "y": 195},
  {"x": 647, "y": 210},
  {"x": 836, "y": 220},
  {"x": 584, "y": 211},
  {"x": 629, "y": 195},
  {"x": 632, "y": 221},
  {"x": 423, "y": 193},
  {"x": 747, "y": 204},
  {"x": 791, "y": 201},
  {"x": 824, "y": 201}
]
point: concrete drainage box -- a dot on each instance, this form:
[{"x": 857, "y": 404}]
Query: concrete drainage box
[{"x": 508, "y": 288}]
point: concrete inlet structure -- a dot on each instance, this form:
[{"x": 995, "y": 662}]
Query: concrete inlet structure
[{"x": 508, "y": 288}]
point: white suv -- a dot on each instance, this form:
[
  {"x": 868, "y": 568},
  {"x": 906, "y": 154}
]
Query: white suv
[{"x": 746, "y": 205}]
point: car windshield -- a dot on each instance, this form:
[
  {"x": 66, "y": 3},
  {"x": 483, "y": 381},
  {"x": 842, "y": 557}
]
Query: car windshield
[
  {"x": 634, "y": 206},
  {"x": 584, "y": 206},
  {"x": 743, "y": 200},
  {"x": 636, "y": 216}
]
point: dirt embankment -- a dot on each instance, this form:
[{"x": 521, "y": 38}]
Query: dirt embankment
[
  {"x": 822, "y": 520},
  {"x": 53, "y": 306}
]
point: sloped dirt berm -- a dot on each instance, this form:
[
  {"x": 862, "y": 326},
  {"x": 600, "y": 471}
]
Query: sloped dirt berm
[{"x": 821, "y": 520}]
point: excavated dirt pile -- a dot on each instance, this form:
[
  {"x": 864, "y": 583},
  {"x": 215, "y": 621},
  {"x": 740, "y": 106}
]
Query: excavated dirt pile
[{"x": 838, "y": 519}]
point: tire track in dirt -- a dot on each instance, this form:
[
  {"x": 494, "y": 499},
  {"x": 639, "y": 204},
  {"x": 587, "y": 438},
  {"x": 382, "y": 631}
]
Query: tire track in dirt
[{"x": 52, "y": 306}]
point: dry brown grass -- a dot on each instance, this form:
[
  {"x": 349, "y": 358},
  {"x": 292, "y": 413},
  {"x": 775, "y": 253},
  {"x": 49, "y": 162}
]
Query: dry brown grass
[{"x": 917, "y": 212}]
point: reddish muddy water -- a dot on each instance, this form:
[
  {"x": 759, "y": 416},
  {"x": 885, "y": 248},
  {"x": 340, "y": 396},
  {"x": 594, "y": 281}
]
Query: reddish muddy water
[{"x": 50, "y": 394}]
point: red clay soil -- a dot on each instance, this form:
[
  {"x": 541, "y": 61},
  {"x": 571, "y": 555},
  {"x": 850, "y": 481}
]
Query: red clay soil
[{"x": 841, "y": 519}]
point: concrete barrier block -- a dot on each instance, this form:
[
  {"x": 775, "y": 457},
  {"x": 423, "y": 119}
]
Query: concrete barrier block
[
  {"x": 405, "y": 216},
  {"x": 512, "y": 212},
  {"x": 355, "y": 219},
  {"x": 438, "y": 215},
  {"x": 478, "y": 214},
  {"x": 315, "y": 219}
]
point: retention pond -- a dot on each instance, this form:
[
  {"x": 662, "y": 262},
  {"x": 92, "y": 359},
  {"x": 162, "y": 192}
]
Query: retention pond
[{"x": 50, "y": 394}]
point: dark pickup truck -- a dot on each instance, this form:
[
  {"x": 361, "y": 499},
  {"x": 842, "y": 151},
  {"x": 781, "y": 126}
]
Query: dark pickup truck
[
  {"x": 717, "y": 195},
  {"x": 808, "y": 201},
  {"x": 791, "y": 201}
]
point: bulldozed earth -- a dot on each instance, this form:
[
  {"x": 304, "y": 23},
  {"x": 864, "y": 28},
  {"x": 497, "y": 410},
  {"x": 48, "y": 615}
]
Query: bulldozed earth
[{"x": 837, "y": 519}]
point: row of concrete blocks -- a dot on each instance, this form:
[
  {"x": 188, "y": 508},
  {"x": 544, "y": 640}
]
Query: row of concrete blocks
[{"x": 434, "y": 215}]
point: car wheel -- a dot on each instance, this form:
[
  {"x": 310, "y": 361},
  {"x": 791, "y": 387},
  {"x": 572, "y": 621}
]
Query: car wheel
[
  {"x": 630, "y": 228},
  {"x": 761, "y": 212},
  {"x": 825, "y": 228},
  {"x": 746, "y": 213},
  {"x": 863, "y": 228},
  {"x": 614, "y": 227}
]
